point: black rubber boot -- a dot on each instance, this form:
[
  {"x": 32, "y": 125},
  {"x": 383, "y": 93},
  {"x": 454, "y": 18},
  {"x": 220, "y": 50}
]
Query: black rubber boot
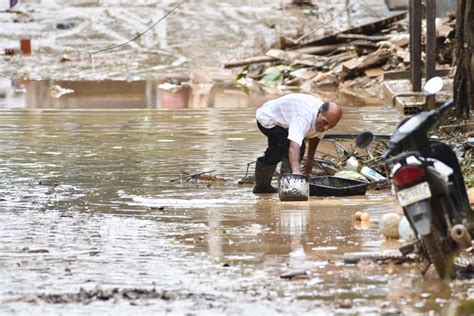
[{"x": 263, "y": 178}]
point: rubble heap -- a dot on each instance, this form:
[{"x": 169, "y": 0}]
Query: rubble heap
[{"x": 353, "y": 60}]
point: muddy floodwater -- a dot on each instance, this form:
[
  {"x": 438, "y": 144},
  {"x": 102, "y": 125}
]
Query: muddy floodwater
[{"x": 91, "y": 222}]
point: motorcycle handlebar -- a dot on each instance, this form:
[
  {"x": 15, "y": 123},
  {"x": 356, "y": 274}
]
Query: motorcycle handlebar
[
  {"x": 445, "y": 106},
  {"x": 439, "y": 111}
]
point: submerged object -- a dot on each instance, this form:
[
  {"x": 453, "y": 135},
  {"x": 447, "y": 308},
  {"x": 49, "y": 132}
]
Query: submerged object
[
  {"x": 293, "y": 187},
  {"x": 335, "y": 186}
]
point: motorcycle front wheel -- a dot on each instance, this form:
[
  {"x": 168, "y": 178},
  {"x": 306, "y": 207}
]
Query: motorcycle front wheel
[{"x": 440, "y": 256}]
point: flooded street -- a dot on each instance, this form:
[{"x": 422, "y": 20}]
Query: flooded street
[
  {"x": 72, "y": 39},
  {"x": 88, "y": 203}
]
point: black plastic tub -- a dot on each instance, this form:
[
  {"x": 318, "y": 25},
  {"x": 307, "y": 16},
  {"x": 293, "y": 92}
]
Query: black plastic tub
[{"x": 335, "y": 186}]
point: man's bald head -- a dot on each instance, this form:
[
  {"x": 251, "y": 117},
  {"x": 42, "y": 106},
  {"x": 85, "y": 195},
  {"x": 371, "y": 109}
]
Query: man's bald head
[{"x": 329, "y": 115}]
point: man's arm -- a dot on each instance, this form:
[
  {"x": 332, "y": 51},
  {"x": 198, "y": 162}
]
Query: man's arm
[
  {"x": 313, "y": 144},
  {"x": 294, "y": 157}
]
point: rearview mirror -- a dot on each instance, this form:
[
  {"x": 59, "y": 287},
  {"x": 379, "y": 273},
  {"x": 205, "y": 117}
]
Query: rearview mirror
[
  {"x": 364, "y": 140},
  {"x": 433, "y": 86}
]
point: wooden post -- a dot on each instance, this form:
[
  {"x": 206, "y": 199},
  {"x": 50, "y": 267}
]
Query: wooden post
[
  {"x": 430, "y": 65},
  {"x": 463, "y": 80},
  {"x": 415, "y": 41}
]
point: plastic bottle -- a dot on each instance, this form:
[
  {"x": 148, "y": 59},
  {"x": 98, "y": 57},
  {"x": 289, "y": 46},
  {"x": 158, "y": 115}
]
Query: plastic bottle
[
  {"x": 352, "y": 164},
  {"x": 371, "y": 174}
]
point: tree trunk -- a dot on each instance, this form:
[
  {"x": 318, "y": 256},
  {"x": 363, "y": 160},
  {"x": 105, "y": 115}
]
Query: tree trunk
[{"x": 464, "y": 78}]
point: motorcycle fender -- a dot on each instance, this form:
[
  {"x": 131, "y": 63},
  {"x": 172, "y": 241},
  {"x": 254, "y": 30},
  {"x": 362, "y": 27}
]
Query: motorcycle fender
[{"x": 419, "y": 214}]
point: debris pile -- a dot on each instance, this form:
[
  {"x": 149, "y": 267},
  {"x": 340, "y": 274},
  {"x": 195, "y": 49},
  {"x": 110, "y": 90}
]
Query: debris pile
[
  {"x": 345, "y": 161},
  {"x": 354, "y": 59}
]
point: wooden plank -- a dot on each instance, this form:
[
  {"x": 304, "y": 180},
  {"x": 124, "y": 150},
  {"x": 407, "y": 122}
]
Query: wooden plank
[
  {"x": 430, "y": 36},
  {"x": 351, "y": 65},
  {"x": 374, "y": 72},
  {"x": 374, "y": 59},
  {"x": 405, "y": 74},
  {"x": 371, "y": 38},
  {"x": 297, "y": 58},
  {"x": 430, "y": 39},
  {"x": 319, "y": 50},
  {"x": 368, "y": 28},
  {"x": 263, "y": 59},
  {"x": 415, "y": 48},
  {"x": 248, "y": 61}
]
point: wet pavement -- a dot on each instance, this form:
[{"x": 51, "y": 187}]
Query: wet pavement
[{"x": 91, "y": 223}]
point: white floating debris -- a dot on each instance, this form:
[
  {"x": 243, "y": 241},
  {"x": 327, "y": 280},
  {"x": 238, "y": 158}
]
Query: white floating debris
[
  {"x": 389, "y": 225},
  {"x": 324, "y": 248},
  {"x": 171, "y": 87},
  {"x": 180, "y": 61},
  {"x": 405, "y": 231},
  {"x": 57, "y": 91},
  {"x": 235, "y": 138},
  {"x": 166, "y": 140}
]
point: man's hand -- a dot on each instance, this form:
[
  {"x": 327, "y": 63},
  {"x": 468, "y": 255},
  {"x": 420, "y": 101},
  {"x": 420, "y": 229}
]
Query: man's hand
[
  {"x": 308, "y": 165},
  {"x": 294, "y": 157}
]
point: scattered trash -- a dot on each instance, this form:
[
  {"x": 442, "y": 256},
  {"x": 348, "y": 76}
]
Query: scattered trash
[
  {"x": 23, "y": 17},
  {"x": 65, "y": 58},
  {"x": 295, "y": 275},
  {"x": 351, "y": 175},
  {"x": 389, "y": 225},
  {"x": 385, "y": 256},
  {"x": 356, "y": 60},
  {"x": 364, "y": 217},
  {"x": 352, "y": 164},
  {"x": 28, "y": 250},
  {"x": 204, "y": 176},
  {"x": 405, "y": 232},
  {"x": 88, "y": 296},
  {"x": 470, "y": 194},
  {"x": 371, "y": 174},
  {"x": 171, "y": 87},
  {"x": 361, "y": 216},
  {"x": 11, "y": 51},
  {"x": 66, "y": 25},
  {"x": 357, "y": 215},
  {"x": 57, "y": 91},
  {"x": 25, "y": 45}
]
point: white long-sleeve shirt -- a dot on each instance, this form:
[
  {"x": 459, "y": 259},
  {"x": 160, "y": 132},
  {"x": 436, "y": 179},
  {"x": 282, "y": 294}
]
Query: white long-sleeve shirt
[{"x": 296, "y": 112}]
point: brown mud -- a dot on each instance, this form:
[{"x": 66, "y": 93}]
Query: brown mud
[{"x": 92, "y": 223}]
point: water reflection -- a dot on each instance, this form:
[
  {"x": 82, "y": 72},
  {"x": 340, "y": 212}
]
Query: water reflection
[
  {"x": 142, "y": 94},
  {"x": 99, "y": 182},
  {"x": 109, "y": 94}
]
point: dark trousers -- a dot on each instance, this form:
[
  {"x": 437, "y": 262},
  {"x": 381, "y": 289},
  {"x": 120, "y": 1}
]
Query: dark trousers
[{"x": 278, "y": 144}]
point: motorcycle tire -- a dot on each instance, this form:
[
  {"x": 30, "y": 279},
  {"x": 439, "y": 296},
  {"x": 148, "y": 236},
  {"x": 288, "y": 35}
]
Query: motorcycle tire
[{"x": 441, "y": 257}]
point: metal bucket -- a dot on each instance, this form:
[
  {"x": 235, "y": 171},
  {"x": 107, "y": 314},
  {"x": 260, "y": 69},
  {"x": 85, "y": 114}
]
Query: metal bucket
[{"x": 293, "y": 187}]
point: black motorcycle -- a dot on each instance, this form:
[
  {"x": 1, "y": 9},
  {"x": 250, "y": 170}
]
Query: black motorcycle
[{"x": 427, "y": 181}]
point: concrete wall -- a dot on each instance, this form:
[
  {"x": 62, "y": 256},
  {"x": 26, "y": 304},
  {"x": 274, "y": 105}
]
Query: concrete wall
[{"x": 442, "y": 6}]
